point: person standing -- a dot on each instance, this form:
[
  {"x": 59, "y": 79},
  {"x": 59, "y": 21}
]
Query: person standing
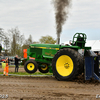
[
  {"x": 6, "y": 69},
  {"x": 16, "y": 63}
]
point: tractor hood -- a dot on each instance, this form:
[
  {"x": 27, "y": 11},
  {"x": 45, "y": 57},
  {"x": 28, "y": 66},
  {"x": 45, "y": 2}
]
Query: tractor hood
[{"x": 45, "y": 46}]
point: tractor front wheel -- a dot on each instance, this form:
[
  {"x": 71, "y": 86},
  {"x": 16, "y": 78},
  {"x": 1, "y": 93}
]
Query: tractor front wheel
[
  {"x": 30, "y": 66},
  {"x": 43, "y": 68}
]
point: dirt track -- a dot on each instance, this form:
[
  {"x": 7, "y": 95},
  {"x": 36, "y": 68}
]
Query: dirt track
[{"x": 46, "y": 88}]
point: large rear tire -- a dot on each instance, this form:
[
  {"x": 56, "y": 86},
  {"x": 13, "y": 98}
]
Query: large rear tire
[
  {"x": 65, "y": 64},
  {"x": 30, "y": 66}
]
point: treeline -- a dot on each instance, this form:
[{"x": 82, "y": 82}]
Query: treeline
[{"x": 14, "y": 42}]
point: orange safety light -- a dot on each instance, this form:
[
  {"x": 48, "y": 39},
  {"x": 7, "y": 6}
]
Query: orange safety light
[{"x": 25, "y": 53}]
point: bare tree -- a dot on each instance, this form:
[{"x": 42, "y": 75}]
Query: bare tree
[
  {"x": 2, "y": 35},
  {"x": 4, "y": 40},
  {"x": 16, "y": 41},
  {"x": 27, "y": 42}
]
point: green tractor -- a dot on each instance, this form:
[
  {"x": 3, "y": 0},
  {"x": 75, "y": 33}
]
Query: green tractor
[{"x": 66, "y": 62}]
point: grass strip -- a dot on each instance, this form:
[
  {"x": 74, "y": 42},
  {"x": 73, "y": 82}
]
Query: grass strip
[
  {"x": 25, "y": 73},
  {"x": 14, "y": 66}
]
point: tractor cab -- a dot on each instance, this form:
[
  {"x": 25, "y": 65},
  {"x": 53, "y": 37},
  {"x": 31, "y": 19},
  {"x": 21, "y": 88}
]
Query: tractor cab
[{"x": 79, "y": 39}]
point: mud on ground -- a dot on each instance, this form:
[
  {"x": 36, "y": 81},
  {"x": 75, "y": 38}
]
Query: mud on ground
[{"x": 47, "y": 88}]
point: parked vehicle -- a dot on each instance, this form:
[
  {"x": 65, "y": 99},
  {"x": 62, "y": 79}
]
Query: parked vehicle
[{"x": 2, "y": 58}]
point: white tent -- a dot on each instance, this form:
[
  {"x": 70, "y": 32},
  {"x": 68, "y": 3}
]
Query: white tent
[{"x": 94, "y": 44}]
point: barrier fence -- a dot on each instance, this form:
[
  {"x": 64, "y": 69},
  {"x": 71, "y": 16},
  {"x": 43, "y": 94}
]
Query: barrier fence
[{"x": 10, "y": 63}]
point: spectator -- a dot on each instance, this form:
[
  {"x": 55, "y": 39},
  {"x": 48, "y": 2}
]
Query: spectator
[
  {"x": 16, "y": 63},
  {"x": 6, "y": 69}
]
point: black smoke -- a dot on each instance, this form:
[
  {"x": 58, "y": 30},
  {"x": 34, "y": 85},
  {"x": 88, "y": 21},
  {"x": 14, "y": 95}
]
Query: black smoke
[{"x": 61, "y": 15}]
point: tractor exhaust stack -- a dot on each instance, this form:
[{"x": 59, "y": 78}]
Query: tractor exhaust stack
[{"x": 58, "y": 40}]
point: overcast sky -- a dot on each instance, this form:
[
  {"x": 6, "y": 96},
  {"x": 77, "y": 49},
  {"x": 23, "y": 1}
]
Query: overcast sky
[{"x": 37, "y": 17}]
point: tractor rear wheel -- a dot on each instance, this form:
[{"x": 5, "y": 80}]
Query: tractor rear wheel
[
  {"x": 43, "y": 68},
  {"x": 30, "y": 66},
  {"x": 65, "y": 64}
]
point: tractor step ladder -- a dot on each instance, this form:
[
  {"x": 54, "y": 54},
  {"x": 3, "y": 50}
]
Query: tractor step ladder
[{"x": 92, "y": 67}]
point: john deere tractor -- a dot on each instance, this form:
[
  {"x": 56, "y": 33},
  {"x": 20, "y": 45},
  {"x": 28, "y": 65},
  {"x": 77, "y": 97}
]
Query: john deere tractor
[{"x": 64, "y": 61}]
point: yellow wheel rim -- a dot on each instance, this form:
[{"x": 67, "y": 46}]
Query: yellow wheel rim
[
  {"x": 30, "y": 66},
  {"x": 64, "y": 65},
  {"x": 44, "y": 68}
]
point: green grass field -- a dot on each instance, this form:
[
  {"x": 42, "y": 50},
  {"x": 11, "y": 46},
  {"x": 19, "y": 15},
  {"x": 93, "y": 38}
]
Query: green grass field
[
  {"x": 25, "y": 73},
  {"x": 14, "y": 66}
]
